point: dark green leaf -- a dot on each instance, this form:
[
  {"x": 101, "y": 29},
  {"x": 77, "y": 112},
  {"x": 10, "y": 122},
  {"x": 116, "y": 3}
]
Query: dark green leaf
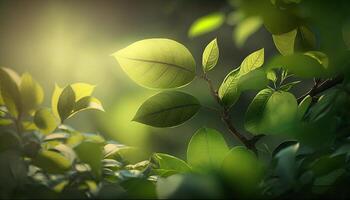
[
  {"x": 66, "y": 103},
  {"x": 167, "y": 109}
]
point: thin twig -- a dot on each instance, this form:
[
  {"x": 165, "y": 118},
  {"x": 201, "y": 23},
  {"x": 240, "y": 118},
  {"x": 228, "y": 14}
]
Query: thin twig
[
  {"x": 225, "y": 116},
  {"x": 321, "y": 87}
]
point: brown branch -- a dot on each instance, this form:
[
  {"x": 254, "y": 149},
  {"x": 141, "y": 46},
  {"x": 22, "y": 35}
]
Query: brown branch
[
  {"x": 225, "y": 116},
  {"x": 319, "y": 88}
]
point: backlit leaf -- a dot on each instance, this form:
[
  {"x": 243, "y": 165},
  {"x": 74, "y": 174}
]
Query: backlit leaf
[
  {"x": 168, "y": 165},
  {"x": 10, "y": 91},
  {"x": 285, "y": 42},
  {"x": 167, "y": 109},
  {"x": 206, "y": 24},
  {"x": 32, "y": 94},
  {"x": 82, "y": 90},
  {"x": 252, "y": 61},
  {"x": 157, "y": 63},
  {"x": 207, "y": 149},
  {"x": 210, "y": 56},
  {"x": 246, "y": 28}
]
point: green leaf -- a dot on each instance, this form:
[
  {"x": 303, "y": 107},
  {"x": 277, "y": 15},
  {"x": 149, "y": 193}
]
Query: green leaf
[
  {"x": 45, "y": 120},
  {"x": 299, "y": 64},
  {"x": 52, "y": 162},
  {"x": 207, "y": 149},
  {"x": 254, "y": 80},
  {"x": 288, "y": 86},
  {"x": 66, "y": 103},
  {"x": 271, "y": 75},
  {"x": 252, "y": 61},
  {"x": 206, "y": 24},
  {"x": 10, "y": 94},
  {"x": 87, "y": 103},
  {"x": 157, "y": 63},
  {"x": 168, "y": 165},
  {"x": 321, "y": 57},
  {"x": 285, "y": 42},
  {"x": 246, "y": 28},
  {"x": 228, "y": 91},
  {"x": 304, "y": 106},
  {"x": 32, "y": 94},
  {"x": 307, "y": 38},
  {"x": 255, "y": 111},
  {"x": 9, "y": 140},
  {"x": 54, "y": 100},
  {"x": 210, "y": 56},
  {"x": 286, "y": 166},
  {"x": 82, "y": 90},
  {"x": 271, "y": 112},
  {"x": 167, "y": 109},
  {"x": 235, "y": 83},
  {"x": 92, "y": 154},
  {"x": 243, "y": 170}
]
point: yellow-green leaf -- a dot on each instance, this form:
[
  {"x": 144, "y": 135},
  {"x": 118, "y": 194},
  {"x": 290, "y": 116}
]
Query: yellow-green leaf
[
  {"x": 54, "y": 100},
  {"x": 82, "y": 90},
  {"x": 210, "y": 56},
  {"x": 206, "y": 24},
  {"x": 246, "y": 28},
  {"x": 52, "y": 162},
  {"x": 157, "y": 63},
  {"x": 285, "y": 42},
  {"x": 32, "y": 94},
  {"x": 10, "y": 91},
  {"x": 45, "y": 120},
  {"x": 252, "y": 61},
  {"x": 207, "y": 149}
]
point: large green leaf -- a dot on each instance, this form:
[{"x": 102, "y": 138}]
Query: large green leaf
[
  {"x": 32, "y": 94},
  {"x": 271, "y": 112},
  {"x": 157, "y": 63},
  {"x": 304, "y": 106},
  {"x": 285, "y": 42},
  {"x": 10, "y": 93},
  {"x": 243, "y": 170},
  {"x": 82, "y": 90},
  {"x": 66, "y": 103},
  {"x": 286, "y": 167},
  {"x": 207, "y": 149},
  {"x": 299, "y": 64},
  {"x": 167, "y": 109},
  {"x": 210, "y": 56},
  {"x": 252, "y": 61},
  {"x": 91, "y": 153},
  {"x": 206, "y": 24},
  {"x": 52, "y": 162},
  {"x": 246, "y": 28},
  {"x": 45, "y": 120},
  {"x": 168, "y": 165},
  {"x": 254, "y": 80}
]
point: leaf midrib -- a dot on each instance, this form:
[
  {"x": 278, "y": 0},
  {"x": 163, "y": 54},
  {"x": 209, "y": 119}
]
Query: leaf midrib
[
  {"x": 157, "y": 62},
  {"x": 165, "y": 110}
]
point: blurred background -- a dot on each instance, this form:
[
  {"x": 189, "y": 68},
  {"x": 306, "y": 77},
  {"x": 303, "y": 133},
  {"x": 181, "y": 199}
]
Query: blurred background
[{"x": 71, "y": 41}]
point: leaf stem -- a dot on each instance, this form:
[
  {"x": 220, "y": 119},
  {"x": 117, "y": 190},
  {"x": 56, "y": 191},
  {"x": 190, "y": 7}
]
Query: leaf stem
[
  {"x": 226, "y": 118},
  {"x": 321, "y": 87}
]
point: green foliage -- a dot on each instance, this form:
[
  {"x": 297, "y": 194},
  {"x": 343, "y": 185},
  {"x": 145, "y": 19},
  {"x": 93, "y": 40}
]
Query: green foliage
[
  {"x": 291, "y": 147},
  {"x": 157, "y": 63},
  {"x": 167, "y": 109},
  {"x": 241, "y": 78},
  {"x": 206, "y": 24}
]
